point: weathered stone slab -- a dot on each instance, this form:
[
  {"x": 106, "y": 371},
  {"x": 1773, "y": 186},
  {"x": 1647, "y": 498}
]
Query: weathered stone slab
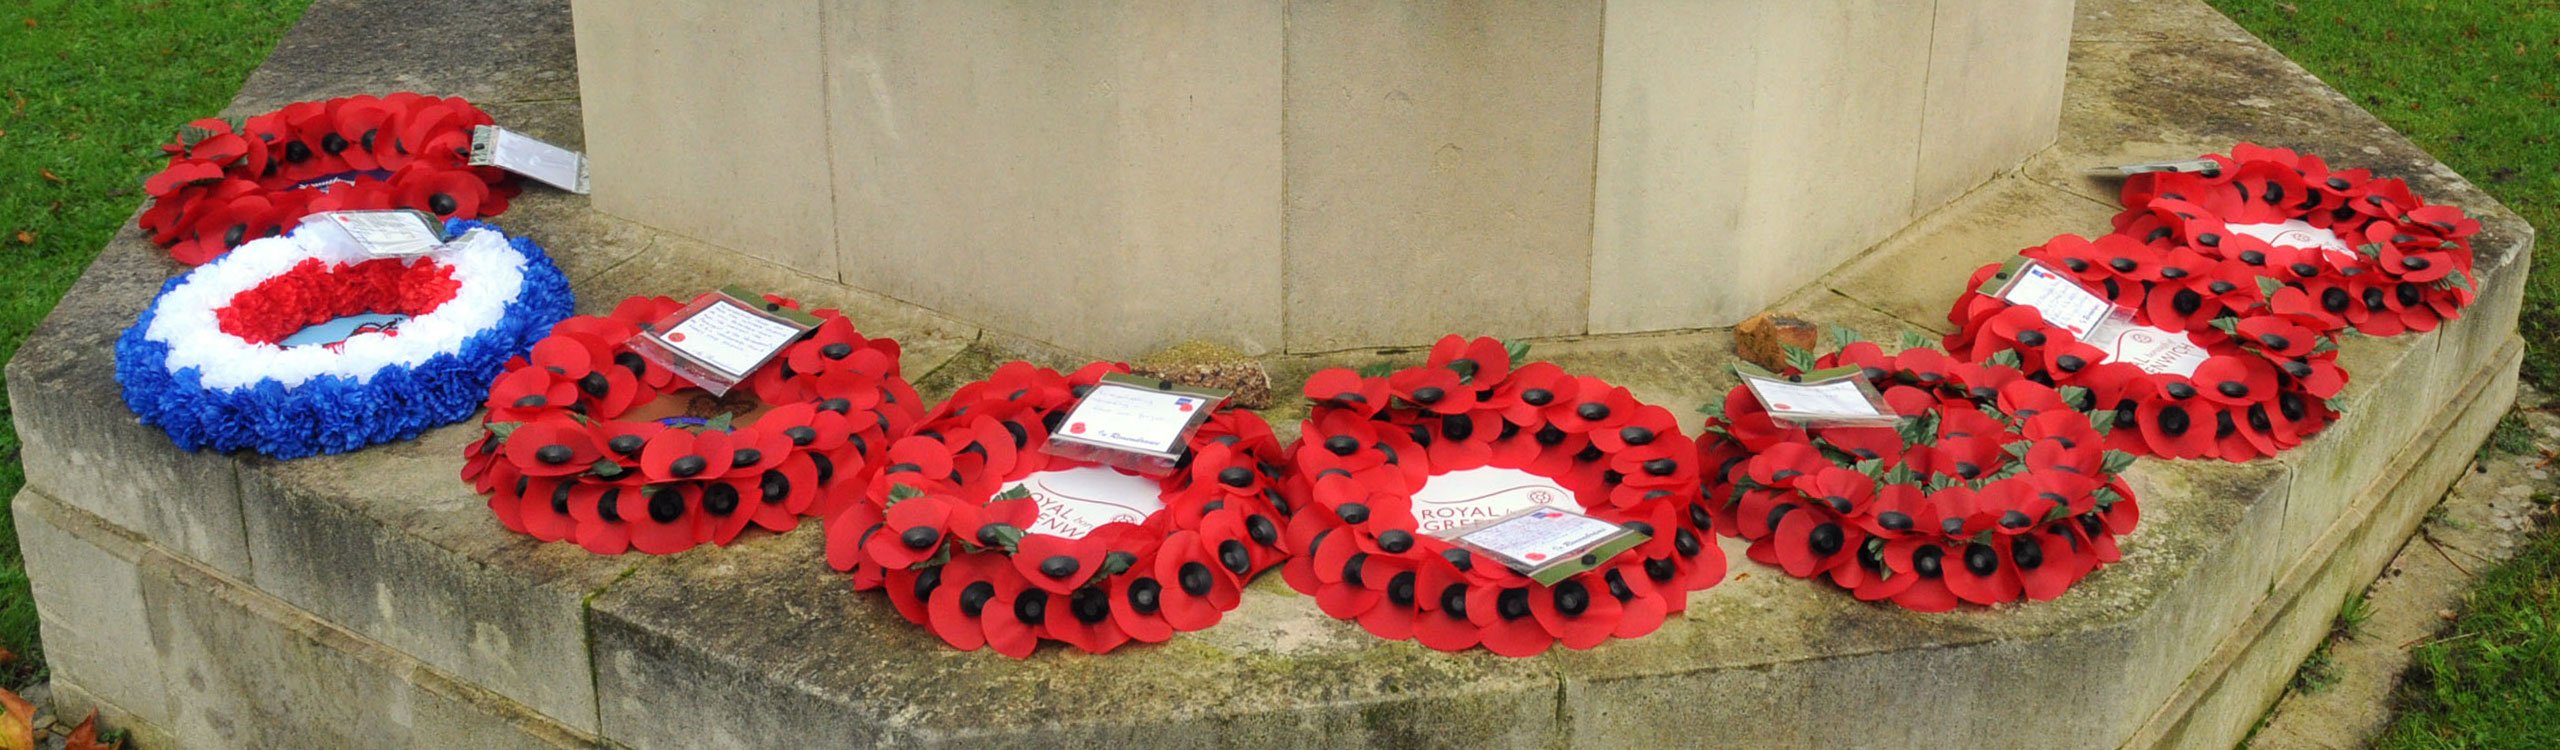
[
  {"x": 712, "y": 58},
  {"x": 488, "y": 51},
  {"x": 1728, "y": 129},
  {"x": 1992, "y": 93},
  {"x": 986, "y": 150},
  {"x": 87, "y": 583},
  {"x": 1917, "y": 274},
  {"x": 388, "y": 543},
  {"x": 245, "y": 670},
  {"x": 760, "y": 647},
  {"x": 81, "y": 444},
  {"x": 1461, "y": 137}
]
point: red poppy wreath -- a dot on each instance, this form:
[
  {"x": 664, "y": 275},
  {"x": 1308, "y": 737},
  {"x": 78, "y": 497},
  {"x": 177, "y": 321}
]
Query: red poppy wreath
[
  {"x": 1384, "y": 463},
  {"x": 1990, "y": 488},
  {"x": 587, "y": 441},
  {"x": 225, "y": 185},
  {"x": 2333, "y": 248},
  {"x": 2254, "y": 383},
  {"x": 977, "y": 533}
]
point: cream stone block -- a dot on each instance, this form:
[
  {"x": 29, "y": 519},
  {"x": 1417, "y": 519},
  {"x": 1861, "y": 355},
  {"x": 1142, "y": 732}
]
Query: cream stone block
[
  {"x": 1440, "y": 169},
  {"x": 1746, "y": 148},
  {"x": 1994, "y": 91},
  {"x": 1105, "y": 176},
  {"x": 704, "y": 117}
]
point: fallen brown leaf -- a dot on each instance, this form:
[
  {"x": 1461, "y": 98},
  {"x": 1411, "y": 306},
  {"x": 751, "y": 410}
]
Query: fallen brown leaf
[
  {"x": 17, "y": 723},
  {"x": 49, "y": 176},
  {"x": 26, "y": 239},
  {"x": 85, "y": 736}
]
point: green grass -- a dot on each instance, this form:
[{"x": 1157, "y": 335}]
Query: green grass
[
  {"x": 88, "y": 91},
  {"x": 2477, "y": 84},
  {"x": 2488, "y": 682}
]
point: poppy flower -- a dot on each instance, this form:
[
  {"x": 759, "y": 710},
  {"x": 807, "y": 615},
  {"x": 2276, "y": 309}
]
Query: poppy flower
[
  {"x": 1479, "y": 360},
  {"x": 1346, "y": 388}
]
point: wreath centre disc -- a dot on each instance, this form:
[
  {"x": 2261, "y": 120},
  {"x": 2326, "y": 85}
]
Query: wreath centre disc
[
  {"x": 1458, "y": 499},
  {"x": 1076, "y": 500},
  {"x": 2301, "y": 235}
]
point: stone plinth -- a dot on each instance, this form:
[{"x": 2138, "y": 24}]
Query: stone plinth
[
  {"x": 371, "y": 600},
  {"x": 1278, "y": 176}
]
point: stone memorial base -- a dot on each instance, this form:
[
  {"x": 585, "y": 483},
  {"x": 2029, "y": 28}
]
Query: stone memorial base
[{"x": 371, "y": 600}]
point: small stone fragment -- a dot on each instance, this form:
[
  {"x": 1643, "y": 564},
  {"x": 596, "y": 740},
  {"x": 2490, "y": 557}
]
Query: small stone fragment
[
  {"x": 2445, "y": 614},
  {"x": 1208, "y": 365},
  {"x": 1763, "y": 340}
]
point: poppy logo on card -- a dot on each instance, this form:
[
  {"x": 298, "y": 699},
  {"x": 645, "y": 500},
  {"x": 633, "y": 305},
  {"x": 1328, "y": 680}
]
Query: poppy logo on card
[
  {"x": 1076, "y": 429},
  {"x": 677, "y": 337},
  {"x": 1182, "y": 403}
]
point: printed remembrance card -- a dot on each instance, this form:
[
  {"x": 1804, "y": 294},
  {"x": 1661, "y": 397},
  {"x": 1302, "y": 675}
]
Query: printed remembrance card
[
  {"x": 1548, "y": 544},
  {"x": 1838, "y": 396},
  {"x": 382, "y": 234},
  {"x": 721, "y": 338},
  {"x": 730, "y": 337},
  {"x": 1134, "y": 423},
  {"x": 2063, "y": 301}
]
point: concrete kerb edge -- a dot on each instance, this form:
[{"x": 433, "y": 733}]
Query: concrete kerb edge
[{"x": 2299, "y": 575}]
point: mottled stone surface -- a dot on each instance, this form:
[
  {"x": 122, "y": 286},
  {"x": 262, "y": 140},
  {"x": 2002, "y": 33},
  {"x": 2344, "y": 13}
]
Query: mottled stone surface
[{"x": 370, "y": 599}]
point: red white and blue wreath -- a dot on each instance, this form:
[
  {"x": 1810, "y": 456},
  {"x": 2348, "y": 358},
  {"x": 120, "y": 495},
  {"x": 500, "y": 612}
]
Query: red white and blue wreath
[{"x": 300, "y": 345}]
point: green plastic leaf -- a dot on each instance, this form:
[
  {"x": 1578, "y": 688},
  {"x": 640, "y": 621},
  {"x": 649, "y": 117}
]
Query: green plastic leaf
[
  {"x": 1913, "y": 340},
  {"x": 2115, "y": 463},
  {"x": 1872, "y": 467},
  {"x": 605, "y": 468},
  {"x": 1843, "y": 336},
  {"x": 2007, "y": 358},
  {"x": 2269, "y": 287},
  {"x": 1900, "y": 474},
  {"x": 1918, "y": 430},
  {"x": 1834, "y": 454},
  {"x": 1376, "y": 370},
  {"x": 2370, "y": 250},
  {"x": 503, "y": 430},
  {"x": 1519, "y": 351},
  {"x": 2458, "y": 279},
  {"x": 900, "y": 493},
  {"x": 719, "y": 423},
  {"x": 2073, "y": 395},
  {"x": 2227, "y": 324},
  {"x": 1016, "y": 492},
  {"x": 2103, "y": 420},
  {"x": 2018, "y": 449},
  {"x": 1801, "y": 359},
  {"x": 2106, "y": 497},
  {"x": 1006, "y": 536},
  {"x": 1117, "y": 562}
]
